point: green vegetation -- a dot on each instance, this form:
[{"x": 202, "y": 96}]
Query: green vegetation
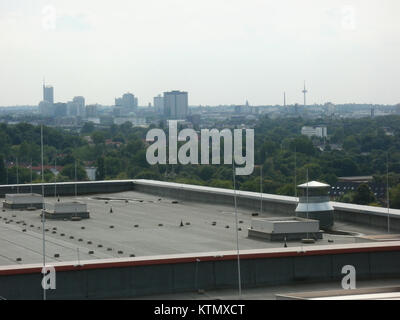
[{"x": 355, "y": 147}]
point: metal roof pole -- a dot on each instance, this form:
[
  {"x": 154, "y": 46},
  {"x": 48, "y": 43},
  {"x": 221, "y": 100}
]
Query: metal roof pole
[
  {"x": 43, "y": 216},
  {"x": 237, "y": 231}
]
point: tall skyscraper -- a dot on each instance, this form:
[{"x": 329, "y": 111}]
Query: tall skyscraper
[
  {"x": 48, "y": 93},
  {"x": 128, "y": 101},
  {"x": 46, "y": 107},
  {"x": 72, "y": 109},
  {"x": 91, "y": 111},
  {"x": 176, "y": 104},
  {"x": 159, "y": 104},
  {"x": 80, "y": 106}
]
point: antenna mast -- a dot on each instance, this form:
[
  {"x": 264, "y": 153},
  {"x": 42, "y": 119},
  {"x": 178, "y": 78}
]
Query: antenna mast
[
  {"x": 43, "y": 215},
  {"x": 387, "y": 192},
  {"x": 16, "y": 161},
  {"x": 305, "y": 92}
]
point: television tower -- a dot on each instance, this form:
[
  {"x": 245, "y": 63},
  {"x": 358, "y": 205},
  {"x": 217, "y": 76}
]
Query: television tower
[{"x": 304, "y": 92}]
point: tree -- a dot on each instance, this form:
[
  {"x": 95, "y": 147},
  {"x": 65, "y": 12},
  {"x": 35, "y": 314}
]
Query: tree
[
  {"x": 100, "y": 172},
  {"x": 98, "y": 137},
  {"x": 395, "y": 197},
  {"x": 363, "y": 195},
  {"x": 69, "y": 171},
  {"x": 3, "y": 173},
  {"x": 88, "y": 127},
  {"x": 226, "y": 184},
  {"x": 303, "y": 145},
  {"x": 206, "y": 172}
]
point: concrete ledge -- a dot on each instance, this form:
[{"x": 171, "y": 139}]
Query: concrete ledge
[
  {"x": 273, "y": 204},
  {"x": 68, "y": 188},
  {"x": 276, "y": 204},
  {"x": 135, "y": 277}
]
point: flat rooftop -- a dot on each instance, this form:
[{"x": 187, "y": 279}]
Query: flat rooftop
[{"x": 141, "y": 225}]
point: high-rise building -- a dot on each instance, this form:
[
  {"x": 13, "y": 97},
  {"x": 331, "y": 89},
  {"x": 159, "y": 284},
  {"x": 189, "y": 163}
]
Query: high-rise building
[
  {"x": 128, "y": 101},
  {"x": 80, "y": 102},
  {"x": 60, "y": 109},
  {"x": 159, "y": 104},
  {"x": 176, "y": 104},
  {"x": 72, "y": 109},
  {"x": 48, "y": 93},
  {"x": 91, "y": 111},
  {"x": 46, "y": 109},
  {"x": 118, "y": 102}
]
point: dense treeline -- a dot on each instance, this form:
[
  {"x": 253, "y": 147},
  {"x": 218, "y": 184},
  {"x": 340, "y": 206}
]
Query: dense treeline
[{"x": 354, "y": 147}]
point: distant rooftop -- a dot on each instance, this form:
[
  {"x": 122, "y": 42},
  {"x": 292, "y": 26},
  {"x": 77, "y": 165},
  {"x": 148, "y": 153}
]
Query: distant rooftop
[{"x": 313, "y": 184}]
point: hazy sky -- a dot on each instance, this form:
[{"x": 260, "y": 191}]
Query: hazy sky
[{"x": 220, "y": 51}]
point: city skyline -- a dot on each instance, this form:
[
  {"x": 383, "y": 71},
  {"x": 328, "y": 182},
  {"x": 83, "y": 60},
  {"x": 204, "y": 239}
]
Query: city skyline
[{"x": 348, "y": 51}]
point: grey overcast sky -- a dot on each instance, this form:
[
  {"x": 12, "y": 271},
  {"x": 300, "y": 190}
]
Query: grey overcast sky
[{"x": 220, "y": 51}]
